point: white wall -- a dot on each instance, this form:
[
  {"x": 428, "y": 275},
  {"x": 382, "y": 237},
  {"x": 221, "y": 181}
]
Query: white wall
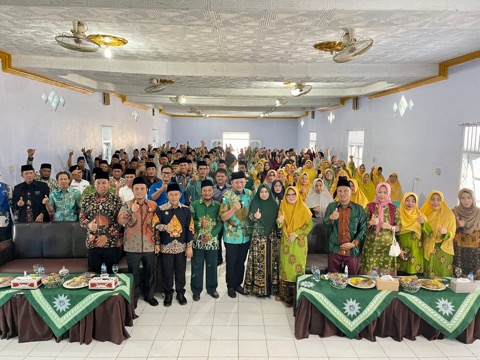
[
  {"x": 27, "y": 122},
  {"x": 280, "y": 133},
  {"x": 425, "y": 138}
]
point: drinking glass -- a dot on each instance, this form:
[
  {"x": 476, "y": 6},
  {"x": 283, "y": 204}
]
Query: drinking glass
[
  {"x": 316, "y": 273},
  {"x": 458, "y": 272},
  {"x": 115, "y": 269},
  {"x": 35, "y": 268}
]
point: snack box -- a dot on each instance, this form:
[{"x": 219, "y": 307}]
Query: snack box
[
  {"x": 103, "y": 283},
  {"x": 462, "y": 286},
  {"x": 387, "y": 283},
  {"x": 26, "y": 282}
]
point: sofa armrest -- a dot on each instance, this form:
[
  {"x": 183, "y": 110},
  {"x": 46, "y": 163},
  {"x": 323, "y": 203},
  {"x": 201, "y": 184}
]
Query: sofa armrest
[{"x": 6, "y": 251}]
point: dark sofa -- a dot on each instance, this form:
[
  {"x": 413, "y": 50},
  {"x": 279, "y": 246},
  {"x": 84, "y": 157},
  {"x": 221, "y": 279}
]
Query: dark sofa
[
  {"x": 317, "y": 248},
  {"x": 51, "y": 244}
]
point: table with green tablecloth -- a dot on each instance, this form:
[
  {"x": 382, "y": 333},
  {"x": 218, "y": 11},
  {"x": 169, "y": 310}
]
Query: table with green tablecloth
[
  {"x": 77, "y": 314},
  {"x": 367, "y": 313}
]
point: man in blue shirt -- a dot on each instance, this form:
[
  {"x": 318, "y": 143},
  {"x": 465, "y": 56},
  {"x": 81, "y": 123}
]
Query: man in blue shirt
[{"x": 158, "y": 191}]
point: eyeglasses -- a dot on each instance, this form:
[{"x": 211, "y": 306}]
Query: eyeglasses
[{"x": 169, "y": 173}]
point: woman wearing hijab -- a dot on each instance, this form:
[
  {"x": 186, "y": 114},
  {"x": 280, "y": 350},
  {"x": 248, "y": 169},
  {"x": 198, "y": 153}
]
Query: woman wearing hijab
[
  {"x": 303, "y": 185},
  {"x": 414, "y": 230},
  {"x": 377, "y": 176},
  {"x": 358, "y": 175},
  {"x": 277, "y": 191},
  {"x": 261, "y": 277},
  {"x": 328, "y": 179},
  {"x": 438, "y": 247},
  {"x": 383, "y": 220},
  {"x": 397, "y": 193},
  {"x": 467, "y": 239},
  {"x": 257, "y": 173},
  {"x": 367, "y": 187},
  {"x": 295, "y": 220},
  {"x": 310, "y": 170},
  {"x": 271, "y": 176},
  {"x": 281, "y": 176},
  {"x": 357, "y": 195},
  {"x": 266, "y": 168}
]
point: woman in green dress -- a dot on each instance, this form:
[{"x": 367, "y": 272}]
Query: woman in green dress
[
  {"x": 383, "y": 221},
  {"x": 261, "y": 277},
  {"x": 467, "y": 239},
  {"x": 414, "y": 229},
  {"x": 438, "y": 247},
  {"x": 295, "y": 220}
]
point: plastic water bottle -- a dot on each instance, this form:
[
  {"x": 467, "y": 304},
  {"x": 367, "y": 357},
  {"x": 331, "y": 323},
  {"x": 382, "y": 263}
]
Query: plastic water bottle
[
  {"x": 103, "y": 270},
  {"x": 346, "y": 270},
  {"x": 470, "y": 276},
  {"x": 374, "y": 273}
]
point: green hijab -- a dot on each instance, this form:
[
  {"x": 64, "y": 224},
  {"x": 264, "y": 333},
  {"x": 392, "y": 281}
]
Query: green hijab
[{"x": 268, "y": 208}]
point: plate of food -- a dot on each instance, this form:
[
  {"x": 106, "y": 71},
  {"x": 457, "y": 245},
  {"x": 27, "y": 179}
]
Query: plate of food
[
  {"x": 433, "y": 284},
  {"x": 89, "y": 274},
  {"x": 77, "y": 282},
  {"x": 361, "y": 283},
  {"x": 5, "y": 281}
]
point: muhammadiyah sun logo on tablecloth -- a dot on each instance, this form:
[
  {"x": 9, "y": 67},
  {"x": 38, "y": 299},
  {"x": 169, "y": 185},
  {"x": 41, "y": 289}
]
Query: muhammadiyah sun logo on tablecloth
[
  {"x": 61, "y": 303},
  {"x": 445, "y": 307},
  {"x": 351, "y": 307}
]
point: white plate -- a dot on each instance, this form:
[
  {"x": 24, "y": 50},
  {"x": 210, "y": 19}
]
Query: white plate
[
  {"x": 5, "y": 284},
  {"x": 372, "y": 285},
  {"x": 66, "y": 285},
  {"x": 439, "y": 289}
]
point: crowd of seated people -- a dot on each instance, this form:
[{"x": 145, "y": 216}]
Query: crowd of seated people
[{"x": 180, "y": 202}]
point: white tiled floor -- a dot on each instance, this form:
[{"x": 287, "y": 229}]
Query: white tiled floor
[{"x": 241, "y": 328}]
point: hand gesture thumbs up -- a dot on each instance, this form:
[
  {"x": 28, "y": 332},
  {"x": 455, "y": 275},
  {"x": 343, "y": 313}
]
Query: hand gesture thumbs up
[
  {"x": 45, "y": 200},
  {"x": 281, "y": 218},
  {"x": 93, "y": 225},
  {"x": 257, "y": 214},
  {"x": 374, "y": 220},
  {"x": 20, "y": 202},
  {"x": 335, "y": 215}
]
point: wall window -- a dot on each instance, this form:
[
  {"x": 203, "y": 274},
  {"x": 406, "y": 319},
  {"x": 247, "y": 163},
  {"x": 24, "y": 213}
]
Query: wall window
[
  {"x": 312, "y": 140},
  {"x": 107, "y": 143},
  {"x": 236, "y": 140},
  {"x": 470, "y": 172},
  {"x": 355, "y": 145}
]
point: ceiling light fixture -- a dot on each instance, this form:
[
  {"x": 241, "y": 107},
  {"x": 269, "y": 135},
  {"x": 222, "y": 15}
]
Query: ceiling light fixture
[
  {"x": 108, "y": 41},
  {"x": 281, "y": 102},
  {"x": 179, "y": 100}
]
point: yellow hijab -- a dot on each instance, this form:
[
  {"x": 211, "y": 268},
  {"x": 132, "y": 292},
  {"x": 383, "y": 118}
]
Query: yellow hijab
[
  {"x": 334, "y": 185},
  {"x": 397, "y": 192},
  {"x": 312, "y": 172},
  {"x": 368, "y": 189},
  {"x": 296, "y": 215},
  {"x": 409, "y": 217},
  {"x": 358, "y": 175},
  {"x": 438, "y": 218},
  {"x": 357, "y": 195},
  {"x": 377, "y": 179},
  {"x": 303, "y": 189}
]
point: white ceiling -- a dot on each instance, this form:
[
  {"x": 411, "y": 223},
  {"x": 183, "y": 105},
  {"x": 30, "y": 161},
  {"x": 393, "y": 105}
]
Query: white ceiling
[{"x": 231, "y": 57}]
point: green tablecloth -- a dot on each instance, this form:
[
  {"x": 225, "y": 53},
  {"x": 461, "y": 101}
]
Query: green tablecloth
[
  {"x": 445, "y": 310},
  {"x": 62, "y": 308},
  {"x": 350, "y": 309}
]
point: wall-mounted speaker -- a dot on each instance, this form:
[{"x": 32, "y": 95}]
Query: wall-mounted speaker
[
  {"x": 355, "y": 103},
  {"x": 106, "y": 99}
]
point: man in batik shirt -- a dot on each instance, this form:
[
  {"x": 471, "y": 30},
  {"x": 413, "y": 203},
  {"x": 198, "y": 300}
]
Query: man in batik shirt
[
  {"x": 236, "y": 231},
  {"x": 205, "y": 243},
  {"x": 174, "y": 230},
  {"x": 98, "y": 215},
  {"x": 64, "y": 203}
]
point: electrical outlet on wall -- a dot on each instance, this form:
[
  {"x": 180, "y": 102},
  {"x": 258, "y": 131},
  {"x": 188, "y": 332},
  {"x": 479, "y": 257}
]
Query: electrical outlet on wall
[
  {"x": 418, "y": 178},
  {"x": 438, "y": 171},
  {"x": 11, "y": 168}
]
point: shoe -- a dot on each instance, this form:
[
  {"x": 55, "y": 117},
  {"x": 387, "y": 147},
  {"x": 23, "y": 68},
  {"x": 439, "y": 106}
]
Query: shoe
[
  {"x": 288, "y": 305},
  {"x": 240, "y": 290},
  {"x": 168, "y": 300},
  {"x": 182, "y": 300},
  {"x": 213, "y": 294},
  {"x": 135, "y": 303},
  {"x": 278, "y": 298},
  {"x": 231, "y": 292},
  {"x": 196, "y": 297},
  {"x": 152, "y": 301}
]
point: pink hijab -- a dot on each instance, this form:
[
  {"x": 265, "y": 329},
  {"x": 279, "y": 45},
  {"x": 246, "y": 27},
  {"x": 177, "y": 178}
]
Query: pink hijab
[{"x": 381, "y": 204}]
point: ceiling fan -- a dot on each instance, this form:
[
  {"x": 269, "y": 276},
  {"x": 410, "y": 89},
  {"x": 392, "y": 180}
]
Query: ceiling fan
[
  {"x": 158, "y": 85},
  {"x": 348, "y": 48},
  {"x": 78, "y": 41},
  {"x": 299, "y": 88}
]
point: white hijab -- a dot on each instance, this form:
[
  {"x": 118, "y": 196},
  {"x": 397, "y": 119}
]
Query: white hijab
[{"x": 315, "y": 199}]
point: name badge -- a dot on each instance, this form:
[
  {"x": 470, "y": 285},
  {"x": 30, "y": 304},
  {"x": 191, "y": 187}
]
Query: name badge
[{"x": 37, "y": 192}]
